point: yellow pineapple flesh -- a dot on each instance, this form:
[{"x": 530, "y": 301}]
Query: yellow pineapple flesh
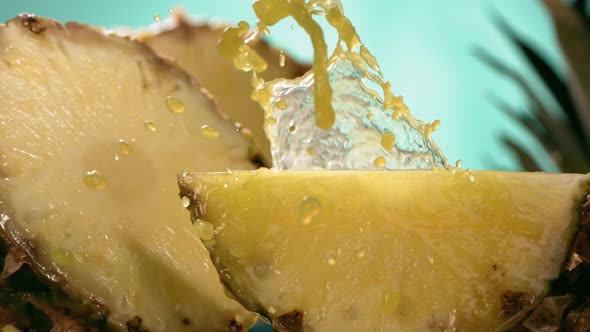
[
  {"x": 387, "y": 251},
  {"x": 194, "y": 48},
  {"x": 94, "y": 130}
]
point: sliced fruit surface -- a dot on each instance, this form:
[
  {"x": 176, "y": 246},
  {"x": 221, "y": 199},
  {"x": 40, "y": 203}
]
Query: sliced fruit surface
[
  {"x": 94, "y": 130},
  {"x": 194, "y": 48},
  {"x": 387, "y": 251}
]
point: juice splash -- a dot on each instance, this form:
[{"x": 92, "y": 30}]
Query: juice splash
[{"x": 333, "y": 110}]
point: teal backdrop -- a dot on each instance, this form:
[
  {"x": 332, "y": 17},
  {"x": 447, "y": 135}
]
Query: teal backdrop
[{"x": 425, "y": 48}]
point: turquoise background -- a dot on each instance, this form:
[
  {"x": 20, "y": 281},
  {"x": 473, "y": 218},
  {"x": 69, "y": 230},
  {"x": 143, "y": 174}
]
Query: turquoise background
[{"x": 425, "y": 48}]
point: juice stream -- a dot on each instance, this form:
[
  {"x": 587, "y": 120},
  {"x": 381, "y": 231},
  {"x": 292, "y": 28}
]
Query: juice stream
[{"x": 234, "y": 44}]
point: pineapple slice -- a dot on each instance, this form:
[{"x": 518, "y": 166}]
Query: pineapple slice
[
  {"x": 193, "y": 47},
  {"x": 94, "y": 130},
  {"x": 387, "y": 251}
]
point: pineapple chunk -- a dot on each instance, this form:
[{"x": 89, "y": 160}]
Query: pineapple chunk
[
  {"x": 193, "y": 47},
  {"x": 388, "y": 251},
  {"x": 94, "y": 130}
]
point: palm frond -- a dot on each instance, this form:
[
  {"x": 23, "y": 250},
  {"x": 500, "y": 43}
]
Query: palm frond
[
  {"x": 581, "y": 7},
  {"x": 564, "y": 133},
  {"x": 525, "y": 159}
]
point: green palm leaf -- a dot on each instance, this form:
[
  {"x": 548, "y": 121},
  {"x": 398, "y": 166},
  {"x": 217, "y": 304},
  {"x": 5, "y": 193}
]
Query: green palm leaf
[{"x": 564, "y": 133}]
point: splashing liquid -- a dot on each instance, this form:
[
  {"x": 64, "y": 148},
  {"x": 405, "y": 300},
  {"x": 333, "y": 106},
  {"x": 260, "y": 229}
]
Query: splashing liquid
[{"x": 345, "y": 120}]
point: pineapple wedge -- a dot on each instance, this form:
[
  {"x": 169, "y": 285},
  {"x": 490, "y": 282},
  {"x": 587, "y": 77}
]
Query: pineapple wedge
[
  {"x": 388, "y": 251},
  {"x": 193, "y": 47},
  {"x": 94, "y": 130}
]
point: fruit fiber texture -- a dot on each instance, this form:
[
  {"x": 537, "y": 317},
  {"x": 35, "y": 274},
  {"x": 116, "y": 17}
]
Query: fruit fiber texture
[
  {"x": 391, "y": 251},
  {"x": 94, "y": 130},
  {"x": 194, "y": 48}
]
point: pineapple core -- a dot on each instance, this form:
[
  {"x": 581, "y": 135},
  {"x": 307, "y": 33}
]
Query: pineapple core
[
  {"x": 94, "y": 130},
  {"x": 387, "y": 251}
]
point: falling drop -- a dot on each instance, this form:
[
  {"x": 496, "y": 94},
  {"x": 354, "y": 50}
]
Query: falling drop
[
  {"x": 174, "y": 104},
  {"x": 292, "y": 129},
  {"x": 95, "y": 181},
  {"x": 282, "y": 59},
  {"x": 388, "y": 141},
  {"x": 209, "y": 132},
  {"x": 379, "y": 162},
  {"x": 310, "y": 208},
  {"x": 185, "y": 201},
  {"x": 271, "y": 121},
  {"x": 458, "y": 163},
  {"x": 310, "y": 151},
  {"x": 471, "y": 177},
  {"x": 149, "y": 125},
  {"x": 125, "y": 146},
  {"x": 157, "y": 18},
  {"x": 370, "y": 116}
]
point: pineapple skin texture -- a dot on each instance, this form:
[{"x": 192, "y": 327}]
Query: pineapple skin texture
[{"x": 388, "y": 251}]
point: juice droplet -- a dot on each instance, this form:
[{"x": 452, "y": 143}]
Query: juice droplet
[
  {"x": 309, "y": 209},
  {"x": 292, "y": 129},
  {"x": 157, "y": 18},
  {"x": 95, "y": 181},
  {"x": 62, "y": 256},
  {"x": 361, "y": 253},
  {"x": 330, "y": 260},
  {"x": 310, "y": 151},
  {"x": 379, "y": 162},
  {"x": 370, "y": 116},
  {"x": 282, "y": 59},
  {"x": 170, "y": 11},
  {"x": 271, "y": 121},
  {"x": 281, "y": 104},
  {"x": 471, "y": 177},
  {"x": 431, "y": 128},
  {"x": 204, "y": 229},
  {"x": 209, "y": 132},
  {"x": 390, "y": 301},
  {"x": 174, "y": 104},
  {"x": 388, "y": 141},
  {"x": 244, "y": 57},
  {"x": 125, "y": 146},
  {"x": 458, "y": 163},
  {"x": 185, "y": 202},
  {"x": 150, "y": 126}
]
